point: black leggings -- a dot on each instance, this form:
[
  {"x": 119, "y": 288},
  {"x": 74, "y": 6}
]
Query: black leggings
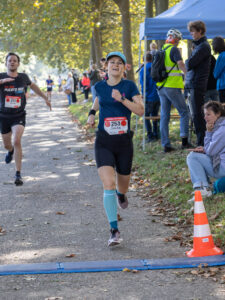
[{"x": 115, "y": 151}]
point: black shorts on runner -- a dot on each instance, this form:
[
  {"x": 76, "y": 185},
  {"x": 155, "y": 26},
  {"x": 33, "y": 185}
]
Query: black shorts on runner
[
  {"x": 6, "y": 124},
  {"x": 115, "y": 151},
  {"x": 49, "y": 89}
]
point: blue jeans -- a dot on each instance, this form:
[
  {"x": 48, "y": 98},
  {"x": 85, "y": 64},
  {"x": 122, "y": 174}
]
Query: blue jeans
[
  {"x": 201, "y": 168},
  {"x": 93, "y": 92},
  {"x": 152, "y": 110},
  {"x": 168, "y": 97},
  {"x": 69, "y": 99}
]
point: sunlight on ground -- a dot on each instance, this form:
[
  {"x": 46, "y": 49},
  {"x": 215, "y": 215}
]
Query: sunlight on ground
[{"x": 27, "y": 255}]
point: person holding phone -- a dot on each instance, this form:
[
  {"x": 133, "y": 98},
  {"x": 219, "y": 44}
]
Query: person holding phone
[{"x": 209, "y": 161}]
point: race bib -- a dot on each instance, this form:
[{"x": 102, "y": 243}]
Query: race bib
[
  {"x": 117, "y": 125},
  {"x": 12, "y": 101}
]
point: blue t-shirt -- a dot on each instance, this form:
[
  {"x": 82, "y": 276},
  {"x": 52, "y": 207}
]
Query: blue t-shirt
[
  {"x": 108, "y": 106},
  {"x": 151, "y": 93}
]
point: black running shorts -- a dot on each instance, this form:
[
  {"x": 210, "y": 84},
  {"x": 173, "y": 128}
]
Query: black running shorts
[
  {"x": 7, "y": 123},
  {"x": 115, "y": 151}
]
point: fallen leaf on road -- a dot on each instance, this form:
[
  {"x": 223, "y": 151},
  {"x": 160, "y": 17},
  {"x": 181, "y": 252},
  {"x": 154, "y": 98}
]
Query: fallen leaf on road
[
  {"x": 2, "y": 231},
  {"x": 71, "y": 255},
  {"x": 126, "y": 270},
  {"x": 56, "y": 158},
  {"x": 60, "y": 213},
  {"x": 119, "y": 217}
]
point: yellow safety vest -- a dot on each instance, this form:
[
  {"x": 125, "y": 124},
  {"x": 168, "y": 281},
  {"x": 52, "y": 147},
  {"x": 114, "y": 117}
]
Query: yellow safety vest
[{"x": 174, "y": 79}]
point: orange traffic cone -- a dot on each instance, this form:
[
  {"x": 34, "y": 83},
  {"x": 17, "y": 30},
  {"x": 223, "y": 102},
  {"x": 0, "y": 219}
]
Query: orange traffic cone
[{"x": 203, "y": 244}]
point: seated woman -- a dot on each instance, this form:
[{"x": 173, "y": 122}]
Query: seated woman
[{"x": 209, "y": 161}]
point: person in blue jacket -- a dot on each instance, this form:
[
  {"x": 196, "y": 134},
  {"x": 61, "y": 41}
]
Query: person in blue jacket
[
  {"x": 209, "y": 161},
  {"x": 152, "y": 102},
  {"x": 219, "y": 70}
]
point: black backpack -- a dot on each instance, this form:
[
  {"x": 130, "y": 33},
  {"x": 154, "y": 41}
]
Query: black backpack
[{"x": 158, "y": 69}]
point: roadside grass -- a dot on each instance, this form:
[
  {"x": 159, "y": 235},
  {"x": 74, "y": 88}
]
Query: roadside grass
[{"x": 165, "y": 175}]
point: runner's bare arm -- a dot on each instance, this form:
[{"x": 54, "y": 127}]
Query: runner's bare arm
[
  {"x": 5, "y": 80},
  {"x": 36, "y": 89},
  {"x": 91, "y": 117},
  {"x": 136, "y": 106}
]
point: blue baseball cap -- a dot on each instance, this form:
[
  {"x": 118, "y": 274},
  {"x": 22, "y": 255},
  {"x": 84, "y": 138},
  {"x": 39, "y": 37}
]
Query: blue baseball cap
[{"x": 117, "y": 53}]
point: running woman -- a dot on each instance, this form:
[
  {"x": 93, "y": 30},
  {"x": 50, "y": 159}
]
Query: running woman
[
  {"x": 116, "y": 99},
  {"x": 12, "y": 110}
]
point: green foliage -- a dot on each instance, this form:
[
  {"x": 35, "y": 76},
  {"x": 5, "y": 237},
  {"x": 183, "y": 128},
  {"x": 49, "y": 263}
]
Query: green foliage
[{"x": 58, "y": 32}]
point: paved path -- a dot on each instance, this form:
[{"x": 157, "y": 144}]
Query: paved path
[{"x": 58, "y": 211}]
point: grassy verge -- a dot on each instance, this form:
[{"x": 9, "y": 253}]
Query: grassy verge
[{"x": 163, "y": 181}]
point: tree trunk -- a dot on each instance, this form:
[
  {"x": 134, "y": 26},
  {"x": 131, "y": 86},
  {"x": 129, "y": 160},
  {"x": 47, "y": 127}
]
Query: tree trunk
[
  {"x": 97, "y": 44},
  {"x": 161, "y": 6},
  {"x": 124, "y": 7},
  {"x": 93, "y": 54},
  {"x": 149, "y": 8},
  {"x": 96, "y": 33},
  {"x": 149, "y": 14}
]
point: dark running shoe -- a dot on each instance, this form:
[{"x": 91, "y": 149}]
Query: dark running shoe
[
  {"x": 114, "y": 238},
  {"x": 9, "y": 156},
  {"x": 187, "y": 146},
  {"x": 18, "y": 180},
  {"x": 168, "y": 149},
  {"x": 122, "y": 200}
]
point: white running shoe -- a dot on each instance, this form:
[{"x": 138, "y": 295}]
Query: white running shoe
[
  {"x": 204, "y": 192},
  {"x": 114, "y": 238}
]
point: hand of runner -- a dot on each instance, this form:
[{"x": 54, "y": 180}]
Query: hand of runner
[
  {"x": 91, "y": 120},
  {"x": 5, "y": 80},
  {"x": 116, "y": 95}
]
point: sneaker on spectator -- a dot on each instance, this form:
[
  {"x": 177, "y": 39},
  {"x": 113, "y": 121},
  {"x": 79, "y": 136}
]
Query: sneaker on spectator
[
  {"x": 204, "y": 192},
  {"x": 114, "y": 238},
  {"x": 187, "y": 146},
  {"x": 168, "y": 149}
]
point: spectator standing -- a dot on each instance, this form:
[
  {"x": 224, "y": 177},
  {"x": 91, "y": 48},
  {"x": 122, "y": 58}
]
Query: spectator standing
[
  {"x": 68, "y": 87},
  {"x": 75, "y": 83},
  {"x": 153, "y": 48},
  {"x": 199, "y": 63},
  {"x": 219, "y": 70},
  {"x": 59, "y": 84},
  {"x": 152, "y": 101},
  {"x": 209, "y": 161},
  {"x": 211, "y": 92},
  {"x": 93, "y": 75},
  {"x": 86, "y": 86},
  {"x": 103, "y": 68},
  {"x": 170, "y": 91},
  {"x": 49, "y": 83}
]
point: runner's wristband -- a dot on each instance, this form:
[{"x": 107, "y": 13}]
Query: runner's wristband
[{"x": 92, "y": 112}]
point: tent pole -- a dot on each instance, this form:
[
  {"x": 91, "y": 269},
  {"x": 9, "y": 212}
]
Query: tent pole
[
  {"x": 144, "y": 92},
  {"x": 139, "y": 63}
]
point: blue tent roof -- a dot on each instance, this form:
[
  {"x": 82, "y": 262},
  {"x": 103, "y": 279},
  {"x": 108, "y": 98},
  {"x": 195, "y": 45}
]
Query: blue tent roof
[{"x": 212, "y": 12}]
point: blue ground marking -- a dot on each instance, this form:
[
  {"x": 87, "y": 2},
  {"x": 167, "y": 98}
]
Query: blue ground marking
[{"x": 112, "y": 265}]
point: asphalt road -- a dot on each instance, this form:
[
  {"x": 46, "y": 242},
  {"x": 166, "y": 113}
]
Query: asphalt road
[{"x": 58, "y": 212}]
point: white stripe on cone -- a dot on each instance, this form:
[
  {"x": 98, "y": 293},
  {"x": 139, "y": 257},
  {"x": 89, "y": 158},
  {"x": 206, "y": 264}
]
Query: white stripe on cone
[
  {"x": 202, "y": 230},
  {"x": 199, "y": 207}
]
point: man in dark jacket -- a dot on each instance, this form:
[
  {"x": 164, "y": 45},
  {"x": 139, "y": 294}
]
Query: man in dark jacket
[
  {"x": 93, "y": 75},
  {"x": 199, "y": 63}
]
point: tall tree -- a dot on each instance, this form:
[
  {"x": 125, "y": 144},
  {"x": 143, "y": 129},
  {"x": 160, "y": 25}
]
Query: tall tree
[
  {"x": 96, "y": 33},
  {"x": 124, "y": 7}
]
